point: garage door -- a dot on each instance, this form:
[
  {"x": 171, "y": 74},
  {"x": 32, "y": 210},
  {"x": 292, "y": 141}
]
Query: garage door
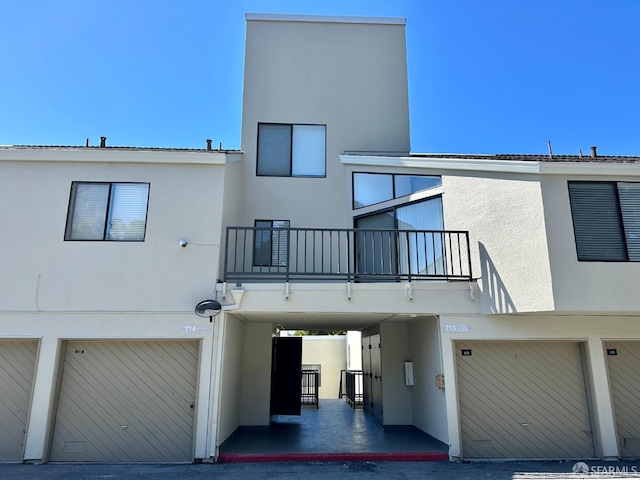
[
  {"x": 523, "y": 400},
  {"x": 623, "y": 361},
  {"x": 126, "y": 402},
  {"x": 17, "y": 366}
]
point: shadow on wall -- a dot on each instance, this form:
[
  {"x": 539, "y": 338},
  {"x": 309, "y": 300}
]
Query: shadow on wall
[{"x": 496, "y": 297}]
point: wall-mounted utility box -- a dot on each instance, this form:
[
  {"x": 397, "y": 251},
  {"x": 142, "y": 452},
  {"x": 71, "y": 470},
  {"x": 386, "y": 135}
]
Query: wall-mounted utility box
[{"x": 408, "y": 374}]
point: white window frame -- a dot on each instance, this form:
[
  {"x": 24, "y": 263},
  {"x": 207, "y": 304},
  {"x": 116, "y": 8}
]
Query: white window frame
[{"x": 102, "y": 213}]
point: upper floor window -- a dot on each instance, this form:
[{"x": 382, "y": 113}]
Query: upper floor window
[
  {"x": 107, "y": 211},
  {"x": 372, "y": 188},
  {"x": 286, "y": 150},
  {"x": 606, "y": 220}
]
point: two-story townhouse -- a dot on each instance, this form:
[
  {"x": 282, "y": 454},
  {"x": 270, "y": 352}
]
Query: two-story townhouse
[
  {"x": 508, "y": 281},
  {"x": 490, "y": 273},
  {"x": 103, "y": 357}
]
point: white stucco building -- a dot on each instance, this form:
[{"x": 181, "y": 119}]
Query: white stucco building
[{"x": 509, "y": 281}]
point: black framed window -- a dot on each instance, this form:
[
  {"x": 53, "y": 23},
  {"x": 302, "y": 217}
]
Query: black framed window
[
  {"x": 373, "y": 188},
  {"x": 606, "y": 220},
  {"x": 107, "y": 211},
  {"x": 287, "y": 150},
  {"x": 271, "y": 243}
]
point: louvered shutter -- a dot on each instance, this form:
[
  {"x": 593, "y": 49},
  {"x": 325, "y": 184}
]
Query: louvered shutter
[
  {"x": 629, "y": 195},
  {"x": 596, "y": 221}
]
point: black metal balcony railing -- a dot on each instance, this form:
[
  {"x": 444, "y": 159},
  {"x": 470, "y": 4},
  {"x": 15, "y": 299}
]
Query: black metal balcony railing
[{"x": 260, "y": 254}]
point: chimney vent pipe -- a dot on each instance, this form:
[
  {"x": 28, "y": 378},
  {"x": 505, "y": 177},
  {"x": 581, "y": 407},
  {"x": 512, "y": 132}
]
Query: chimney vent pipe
[
  {"x": 594, "y": 154},
  {"x": 208, "y": 144},
  {"x": 103, "y": 142}
]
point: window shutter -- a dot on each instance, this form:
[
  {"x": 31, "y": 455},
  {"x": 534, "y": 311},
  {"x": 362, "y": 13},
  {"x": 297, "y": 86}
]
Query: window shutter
[
  {"x": 89, "y": 211},
  {"x": 280, "y": 244},
  {"x": 308, "y": 151},
  {"x": 262, "y": 244},
  {"x": 128, "y": 214},
  {"x": 629, "y": 195},
  {"x": 274, "y": 150},
  {"x": 596, "y": 221}
]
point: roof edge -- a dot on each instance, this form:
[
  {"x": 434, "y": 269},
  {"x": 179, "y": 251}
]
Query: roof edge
[{"x": 276, "y": 17}]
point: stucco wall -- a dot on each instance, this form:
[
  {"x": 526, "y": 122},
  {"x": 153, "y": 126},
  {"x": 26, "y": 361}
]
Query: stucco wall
[
  {"x": 394, "y": 351},
  {"x": 321, "y": 73},
  {"x": 256, "y": 375},
  {"x": 42, "y": 271},
  {"x": 429, "y": 402},
  {"x": 329, "y": 351},
  {"x": 231, "y": 383},
  {"x": 584, "y": 286},
  {"x": 505, "y": 219}
]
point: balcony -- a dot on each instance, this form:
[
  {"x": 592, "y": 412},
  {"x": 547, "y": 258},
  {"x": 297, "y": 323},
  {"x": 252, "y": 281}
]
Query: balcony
[{"x": 260, "y": 254}]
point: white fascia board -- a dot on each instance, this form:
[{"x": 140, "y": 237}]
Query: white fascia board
[
  {"x": 112, "y": 156},
  {"x": 443, "y": 163},
  {"x": 498, "y": 166},
  {"x": 272, "y": 17},
  {"x": 594, "y": 168}
]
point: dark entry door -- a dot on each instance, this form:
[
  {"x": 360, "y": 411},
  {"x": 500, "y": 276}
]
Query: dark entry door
[
  {"x": 372, "y": 377},
  {"x": 376, "y": 381},
  {"x": 366, "y": 375},
  {"x": 286, "y": 376}
]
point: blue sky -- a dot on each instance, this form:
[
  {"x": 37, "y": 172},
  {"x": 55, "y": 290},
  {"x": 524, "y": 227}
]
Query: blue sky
[{"x": 485, "y": 76}]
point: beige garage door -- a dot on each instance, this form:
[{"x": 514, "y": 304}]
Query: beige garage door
[
  {"x": 623, "y": 361},
  {"x": 130, "y": 401},
  {"x": 523, "y": 400},
  {"x": 17, "y": 366}
]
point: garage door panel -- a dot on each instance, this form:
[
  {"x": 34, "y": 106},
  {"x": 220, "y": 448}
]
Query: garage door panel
[
  {"x": 624, "y": 378},
  {"x": 17, "y": 367},
  {"x": 126, "y": 401},
  {"x": 523, "y": 399}
]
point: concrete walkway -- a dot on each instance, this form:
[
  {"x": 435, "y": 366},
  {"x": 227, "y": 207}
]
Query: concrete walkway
[
  {"x": 333, "y": 432},
  {"x": 312, "y": 470}
]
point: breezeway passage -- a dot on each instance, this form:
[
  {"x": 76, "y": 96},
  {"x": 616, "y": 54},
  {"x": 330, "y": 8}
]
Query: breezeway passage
[
  {"x": 333, "y": 432},
  {"x": 129, "y": 401}
]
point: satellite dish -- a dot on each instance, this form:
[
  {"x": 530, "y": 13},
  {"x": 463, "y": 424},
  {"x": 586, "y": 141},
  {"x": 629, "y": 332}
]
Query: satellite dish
[{"x": 208, "y": 308}]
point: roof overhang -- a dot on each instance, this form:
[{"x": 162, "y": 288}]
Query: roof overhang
[
  {"x": 108, "y": 155},
  {"x": 490, "y": 164}
]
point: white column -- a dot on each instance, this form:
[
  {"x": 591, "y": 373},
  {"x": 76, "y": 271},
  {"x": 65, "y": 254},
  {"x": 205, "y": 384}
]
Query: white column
[
  {"x": 605, "y": 420},
  {"x": 451, "y": 392},
  {"x": 42, "y": 400},
  {"x": 217, "y": 356},
  {"x": 201, "y": 449}
]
